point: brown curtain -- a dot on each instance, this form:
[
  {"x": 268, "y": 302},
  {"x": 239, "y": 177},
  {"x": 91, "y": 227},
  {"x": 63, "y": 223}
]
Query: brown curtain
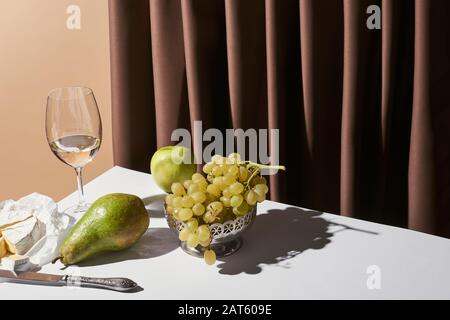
[{"x": 364, "y": 115}]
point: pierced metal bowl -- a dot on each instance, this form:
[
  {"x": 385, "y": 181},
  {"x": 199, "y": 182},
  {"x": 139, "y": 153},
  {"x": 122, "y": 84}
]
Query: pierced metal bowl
[{"x": 226, "y": 237}]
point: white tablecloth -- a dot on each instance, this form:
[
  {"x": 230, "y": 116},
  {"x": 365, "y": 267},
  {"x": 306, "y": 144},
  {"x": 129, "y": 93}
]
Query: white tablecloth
[{"x": 289, "y": 253}]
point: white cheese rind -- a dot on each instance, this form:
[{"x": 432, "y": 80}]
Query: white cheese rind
[{"x": 10, "y": 217}]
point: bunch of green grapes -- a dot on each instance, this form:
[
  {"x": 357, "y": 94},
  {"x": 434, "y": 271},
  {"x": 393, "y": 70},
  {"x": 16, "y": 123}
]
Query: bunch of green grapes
[{"x": 230, "y": 189}]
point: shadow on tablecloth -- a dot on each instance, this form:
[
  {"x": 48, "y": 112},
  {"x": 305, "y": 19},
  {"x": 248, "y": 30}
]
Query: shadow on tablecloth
[
  {"x": 154, "y": 243},
  {"x": 278, "y": 236}
]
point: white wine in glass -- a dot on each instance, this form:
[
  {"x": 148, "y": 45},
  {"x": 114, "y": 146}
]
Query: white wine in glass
[
  {"x": 76, "y": 150},
  {"x": 74, "y": 131}
]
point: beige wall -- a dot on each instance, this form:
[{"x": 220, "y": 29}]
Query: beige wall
[{"x": 38, "y": 53}]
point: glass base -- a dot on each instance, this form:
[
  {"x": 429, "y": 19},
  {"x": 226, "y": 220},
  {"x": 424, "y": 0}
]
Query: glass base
[{"x": 77, "y": 210}]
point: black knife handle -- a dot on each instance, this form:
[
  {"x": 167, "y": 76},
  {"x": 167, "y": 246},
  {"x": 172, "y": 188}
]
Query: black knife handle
[{"x": 116, "y": 284}]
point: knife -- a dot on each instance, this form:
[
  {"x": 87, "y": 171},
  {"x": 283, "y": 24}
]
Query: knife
[{"x": 116, "y": 284}]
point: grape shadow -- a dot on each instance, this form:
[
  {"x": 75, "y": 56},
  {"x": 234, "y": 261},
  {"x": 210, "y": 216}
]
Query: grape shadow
[{"x": 277, "y": 236}]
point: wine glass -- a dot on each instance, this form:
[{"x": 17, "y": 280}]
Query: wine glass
[{"x": 74, "y": 132}]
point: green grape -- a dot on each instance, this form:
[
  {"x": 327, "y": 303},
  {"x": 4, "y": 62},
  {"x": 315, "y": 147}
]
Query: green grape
[
  {"x": 215, "y": 207},
  {"x": 209, "y": 217},
  {"x": 223, "y": 186},
  {"x": 258, "y": 180},
  {"x": 203, "y": 232},
  {"x": 202, "y": 185},
  {"x": 184, "y": 234},
  {"x": 185, "y": 214},
  {"x": 198, "y": 197},
  {"x": 250, "y": 197},
  {"x": 169, "y": 209},
  {"x": 236, "y": 188},
  {"x": 227, "y": 193},
  {"x": 187, "y": 183},
  {"x": 262, "y": 187},
  {"x": 198, "y": 209},
  {"x": 225, "y": 201},
  {"x": 210, "y": 178},
  {"x": 187, "y": 202},
  {"x": 260, "y": 196},
  {"x": 224, "y": 168},
  {"x": 178, "y": 189},
  {"x": 210, "y": 257},
  {"x": 243, "y": 174},
  {"x": 234, "y": 158},
  {"x": 210, "y": 198},
  {"x": 242, "y": 209},
  {"x": 177, "y": 202},
  {"x": 217, "y": 171},
  {"x": 218, "y": 159},
  {"x": 236, "y": 200},
  {"x": 233, "y": 170},
  {"x": 192, "y": 240},
  {"x": 176, "y": 214},
  {"x": 169, "y": 199},
  {"x": 191, "y": 224},
  {"x": 207, "y": 168},
  {"x": 228, "y": 179},
  {"x": 197, "y": 177},
  {"x": 193, "y": 187},
  {"x": 205, "y": 243},
  {"x": 218, "y": 181},
  {"x": 220, "y": 184},
  {"x": 213, "y": 189}
]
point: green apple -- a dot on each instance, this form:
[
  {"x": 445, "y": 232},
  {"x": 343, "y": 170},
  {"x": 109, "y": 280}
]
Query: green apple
[{"x": 172, "y": 164}]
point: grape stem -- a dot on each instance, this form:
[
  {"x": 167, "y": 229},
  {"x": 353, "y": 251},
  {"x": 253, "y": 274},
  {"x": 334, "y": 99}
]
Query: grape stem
[
  {"x": 258, "y": 169},
  {"x": 265, "y": 166},
  {"x": 251, "y": 177}
]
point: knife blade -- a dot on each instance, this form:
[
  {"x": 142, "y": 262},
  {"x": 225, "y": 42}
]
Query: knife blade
[{"x": 116, "y": 284}]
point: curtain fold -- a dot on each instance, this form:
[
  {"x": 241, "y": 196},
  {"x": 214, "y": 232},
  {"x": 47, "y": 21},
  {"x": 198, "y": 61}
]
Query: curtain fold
[
  {"x": 168, "y": 67},
  {"x": 364, "y": 115},
  {"x": 283, "y": 79},
  {"x": 245, "y": 31},
  {"x": 321, "y": 37},
  {"x": 132, "y": 83},
  {"x": 360, "y": 128},
  {"x": 429, "y": 175}
]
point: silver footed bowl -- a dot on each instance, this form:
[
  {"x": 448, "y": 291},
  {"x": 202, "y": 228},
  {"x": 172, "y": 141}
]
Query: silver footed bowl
[{"x": 226, "y": 237}]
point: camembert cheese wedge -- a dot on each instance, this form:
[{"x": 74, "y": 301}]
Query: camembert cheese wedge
[{"x": 21, "y": 236}]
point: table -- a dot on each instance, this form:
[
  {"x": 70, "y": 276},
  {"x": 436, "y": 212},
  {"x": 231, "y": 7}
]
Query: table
[{"x": 289, "y": 253}]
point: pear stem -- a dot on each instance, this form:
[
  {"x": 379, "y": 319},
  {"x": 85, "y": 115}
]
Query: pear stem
[{"x": 56, "y": 259}]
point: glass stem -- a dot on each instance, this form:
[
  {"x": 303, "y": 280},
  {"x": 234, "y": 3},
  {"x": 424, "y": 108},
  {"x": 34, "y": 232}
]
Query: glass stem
[{"x": 81, "y": 201}]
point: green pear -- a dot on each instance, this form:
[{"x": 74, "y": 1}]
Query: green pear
[{"x": 113, "y": 222}]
